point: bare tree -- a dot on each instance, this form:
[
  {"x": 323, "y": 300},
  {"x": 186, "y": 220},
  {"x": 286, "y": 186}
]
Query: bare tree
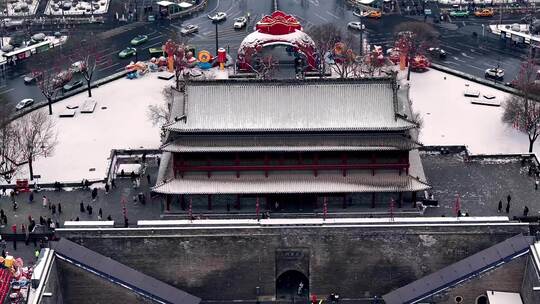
[
  {"x": 347, "y": 63},
  {"x": 88, "y": 55},
  {"x": 11, "y": 157},
  {"x": 265, "y": 67},
  {"x": 325, "y": 37},
  {"x": 413, "y": 38},
  {"x": 522, "y": 111},
  {"x": 159, "y": 114},
  {"x": 37, "y": 136}
]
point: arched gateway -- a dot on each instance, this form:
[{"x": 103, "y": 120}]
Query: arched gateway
[
  {"x": 276, "y": 29},
  {"x": 292, "y": 283}
]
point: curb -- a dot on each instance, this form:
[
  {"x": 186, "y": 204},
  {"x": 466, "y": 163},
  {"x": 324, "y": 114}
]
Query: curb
[
  {"x": 94, "y": 84},
  {"x": 479, "y": 80}
]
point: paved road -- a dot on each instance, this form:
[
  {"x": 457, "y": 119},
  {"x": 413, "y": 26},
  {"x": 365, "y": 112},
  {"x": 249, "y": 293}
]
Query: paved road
[{"x": 466, "y": 53}]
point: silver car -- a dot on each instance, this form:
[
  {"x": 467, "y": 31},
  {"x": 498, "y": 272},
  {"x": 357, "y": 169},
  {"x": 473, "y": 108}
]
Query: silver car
[
  {"x": 24, "y": 103},
  {"x": 189, "y": 29},
  {"x": 356, "y": 25}
]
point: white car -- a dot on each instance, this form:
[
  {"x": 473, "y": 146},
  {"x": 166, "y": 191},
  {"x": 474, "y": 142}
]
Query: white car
[
  {"x": 240, "y": 22},
  {"x": 24, "y": 103},
  {"x": 495, "y": 73},
  {"x": 189, "y": 29},
  {"x": 356, "y": 25},
  {"x": 220, "y": 16}
]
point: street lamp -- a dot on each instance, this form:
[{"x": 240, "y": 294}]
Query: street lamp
[{"x": 217, "y": 38}]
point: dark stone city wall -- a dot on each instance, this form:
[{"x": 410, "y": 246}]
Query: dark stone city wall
[
  {"x": 353, "y": 261},
  {"x": 506, "y": 278},
  {"x": 80, "y": 286},
  {"x": 531, "y": 279}
]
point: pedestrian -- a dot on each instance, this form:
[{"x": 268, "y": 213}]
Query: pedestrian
[
  {"x": 44, "y": 201},
  {"x": 36, "y": 254},
  {"x": 29, "y": 219},
  {"x": 77, "y": 219},
  {"x": 31, "y": 226},
  {"x": 81, "y": 206},
  {"x": 508, "y": 207},
  {"x": 49, "y": 222},
  {"x": 536, "y": 184},
  {"x": 12, "y": 195},
  {"x": 89, "y": 209},
  {"x": 31, "y": 197},
  {"x": 499, "y": 209},
  {"x": 41, "y": 221},
  {"x": 94, "y": 194},
  {"x": 525, "y": 211},
  {"x": 113, "y": 184},
  {"x": 109, "y": 218},
  {"x": 57, "y": 224},
  {"x": 59, "y": 208},
  {"x": 15, "y": 206},
  {"x": 126, "y": 222},
  {"x": 4, "y": 219},
  {"x": 53, "y": 209},
  {"x": 14, "y": 230},
  {"x": 26, "y": 235},
  {"x": 100, "y": 213},
  {"x": 148, "y": 178},
  {"x": 106, "y": 188},
  {"x": 508, "y": 199}
]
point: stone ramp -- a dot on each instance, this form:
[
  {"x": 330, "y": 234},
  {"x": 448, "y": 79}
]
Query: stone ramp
[
  {"x": 465, "y": 269},
  {"x": 120, "y": 274}
]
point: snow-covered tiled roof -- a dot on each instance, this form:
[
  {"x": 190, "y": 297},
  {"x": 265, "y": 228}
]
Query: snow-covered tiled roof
[
  {"x": 315, "y": 142},
  {"x": 285, "y": 105},
  {"x": 290, "y": 183}
]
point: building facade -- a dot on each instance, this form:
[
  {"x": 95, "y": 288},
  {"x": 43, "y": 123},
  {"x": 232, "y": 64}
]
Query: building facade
[{"x": 291, "y": 145}]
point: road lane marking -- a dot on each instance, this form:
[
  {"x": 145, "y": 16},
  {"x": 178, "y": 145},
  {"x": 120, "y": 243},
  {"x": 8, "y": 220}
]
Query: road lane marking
[
  {"x": 326, "y": 20},
  {"x": 110, "y": 66},
  {"x": 6, "y": 91},
  {"x": 332, "y": 15}
]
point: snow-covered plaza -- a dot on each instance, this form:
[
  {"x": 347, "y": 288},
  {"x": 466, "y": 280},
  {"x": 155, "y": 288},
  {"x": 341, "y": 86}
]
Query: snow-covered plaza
[
  {"x": 449, "y": 118},
  {"x": 69, "y": 8}
]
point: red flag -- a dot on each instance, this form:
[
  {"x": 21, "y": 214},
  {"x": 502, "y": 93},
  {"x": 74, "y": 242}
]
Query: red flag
[
  {"x": 190, "y": 210},
  {"x": 457, "y": 206},
  {"x": 325, "y": 208},
  {"x": 257, "y": 208}
]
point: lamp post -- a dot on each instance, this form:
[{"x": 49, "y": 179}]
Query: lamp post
[{"x": 217, "y": 37}]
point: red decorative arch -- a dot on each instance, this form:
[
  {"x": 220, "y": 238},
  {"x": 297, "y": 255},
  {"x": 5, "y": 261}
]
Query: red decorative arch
[{"x": 276, "y": 29}]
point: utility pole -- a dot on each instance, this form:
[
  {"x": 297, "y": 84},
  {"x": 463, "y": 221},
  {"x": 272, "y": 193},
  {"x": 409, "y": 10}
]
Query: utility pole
[
  {"x": 217, "y": 38},
  {"x": 361, "y": 37}
]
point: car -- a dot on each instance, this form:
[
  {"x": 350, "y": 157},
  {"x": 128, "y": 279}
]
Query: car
[
  {"x": 220, "y": 16},
  {"x": 459, "y": 14},
  {"x": 374, "y": 14},
  {"x": 189, "y": 29},
  {"x": 486, "y": 12},
  {"x": 437, "y": 52},
  {"x": 72, "y": 86},
  {"x": 355, "y": 25},
  {"x": 127, "y": 52},
  {"x": 139, "y": 39},
  {"x": 240, "y": 22},
  {"x": 24, "y": 103},
  {"x": 78, "y": 67},
  {"x": 495, "y": 73},
  {"x": 33, "y": 77}
]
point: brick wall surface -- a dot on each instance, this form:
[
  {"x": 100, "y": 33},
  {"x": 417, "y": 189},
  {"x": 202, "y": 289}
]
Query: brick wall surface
[
  {"x": 353, "y": 261},
  {"x": 506, "y": 278},
  {"x": 82, "y": 287}
]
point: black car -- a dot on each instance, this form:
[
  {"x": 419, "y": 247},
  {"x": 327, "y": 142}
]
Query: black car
[
  {"x": 436, "y": 52},
  {"x": 72, "y": 86}
]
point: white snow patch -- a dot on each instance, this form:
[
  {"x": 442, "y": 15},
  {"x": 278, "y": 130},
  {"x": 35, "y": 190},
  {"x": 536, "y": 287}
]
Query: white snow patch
[
  {"x": 85, "y": 141},
  {"x": 55, "y": 7},
  {"x": 450, "y": 119}
]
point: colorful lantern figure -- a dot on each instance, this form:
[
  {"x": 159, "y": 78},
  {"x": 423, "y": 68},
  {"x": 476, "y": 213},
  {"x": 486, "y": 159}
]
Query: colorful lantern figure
[
  {"x": 204, "y": 60},
  {"x": 222, "y": 58},
  {"x": 170, "y": 48}
]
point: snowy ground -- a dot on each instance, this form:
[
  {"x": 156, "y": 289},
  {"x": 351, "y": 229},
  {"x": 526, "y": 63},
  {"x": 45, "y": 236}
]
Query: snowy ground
[
  {"x": 20, "y": 8},
  {"x": 54, "y": 7},
  {"x": 86, "y": 140},
  {"x": 450, "y": 119}
]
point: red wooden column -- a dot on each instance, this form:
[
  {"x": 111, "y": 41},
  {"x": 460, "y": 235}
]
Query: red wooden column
[
  {"x": 168, "y": 202},
  {"x": 237, "y": 205},
  {"x": 344, "y": 162},
  {"x": 266, "y": 161},
  {"x": 373, "y": 200},
  {"x": 414, "y": 199},
  {"x": 209, "y": 201},
  {"x": 208, "y": 163},
  {"x": 400, "y": 199},
  {"x": 237, "y": 162},
  {"x": 316, "y": 162},
  {"x": 373, "y": 161}
]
